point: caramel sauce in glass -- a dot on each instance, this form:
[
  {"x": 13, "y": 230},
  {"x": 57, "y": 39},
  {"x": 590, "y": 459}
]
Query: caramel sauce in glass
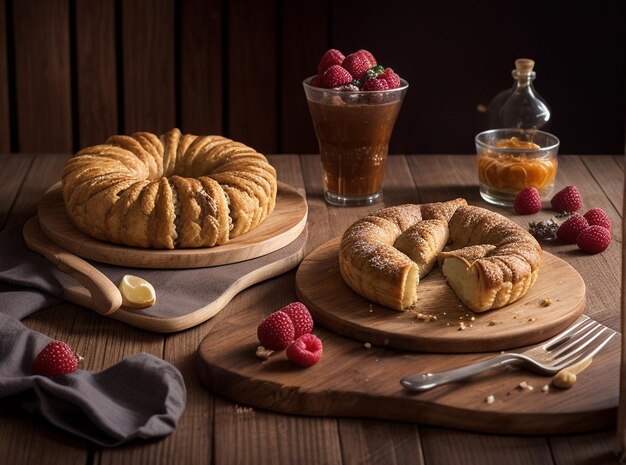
[
  {"x": 354, "y": 141},
  {"x": 510, "y": 173}
]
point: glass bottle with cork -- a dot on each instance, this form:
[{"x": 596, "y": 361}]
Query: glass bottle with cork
[{"x": 520, "y": 106}]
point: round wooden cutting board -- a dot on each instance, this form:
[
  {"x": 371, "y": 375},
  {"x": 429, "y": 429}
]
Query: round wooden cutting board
[
  {"x": 353, "y": 379},
  {"x": 279, "y": 229},
  {"x": 456, "y": 329}
]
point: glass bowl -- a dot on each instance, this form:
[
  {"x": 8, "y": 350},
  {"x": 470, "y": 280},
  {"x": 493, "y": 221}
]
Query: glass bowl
[{"x": 508, "y": 160}]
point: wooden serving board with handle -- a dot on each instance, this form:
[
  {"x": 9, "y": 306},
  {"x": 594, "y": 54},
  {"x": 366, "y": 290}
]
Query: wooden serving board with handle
[
  {"x": 555, "y": 301},
  {"x": 192, "y": 285},
  {"x": 185, "y": 297},
  {"x": 280, "y": 228},
  {"x": 353, "y": 379}
]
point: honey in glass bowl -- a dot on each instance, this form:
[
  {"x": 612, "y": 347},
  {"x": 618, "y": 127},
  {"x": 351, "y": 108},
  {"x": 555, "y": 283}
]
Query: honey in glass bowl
[{"x": 511, "y": 159}]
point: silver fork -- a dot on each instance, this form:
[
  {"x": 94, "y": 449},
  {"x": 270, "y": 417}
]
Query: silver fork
[{"x": 578, "y": 343}]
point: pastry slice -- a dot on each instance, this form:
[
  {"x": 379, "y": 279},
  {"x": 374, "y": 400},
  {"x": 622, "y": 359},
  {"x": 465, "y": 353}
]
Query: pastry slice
[
  {"x": 190, "y": 222},
  {"x": 423, "y": 242}
]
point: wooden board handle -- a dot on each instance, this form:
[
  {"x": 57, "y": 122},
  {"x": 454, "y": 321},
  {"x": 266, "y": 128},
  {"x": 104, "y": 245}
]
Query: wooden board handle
[{"x": 104, "y": 297}]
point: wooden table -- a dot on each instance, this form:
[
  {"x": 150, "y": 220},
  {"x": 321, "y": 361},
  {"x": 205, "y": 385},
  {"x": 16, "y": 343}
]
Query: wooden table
[{"x": 214, "y": 430}]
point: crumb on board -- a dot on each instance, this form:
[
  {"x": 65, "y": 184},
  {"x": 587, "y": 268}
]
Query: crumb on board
[
  {"x": 242, "y": 409},
  {"x": 367, "y": 345},
  {"x": 546, "y": 302},
  {"x": 564, "y": 379},
  {"x": 263, "y": 353},
  {"x": 545, "y": 388},
  {"x": 524, "y": 386},
  {"x": 490, "y": 399},
  {"x": 495, "y": 322}
]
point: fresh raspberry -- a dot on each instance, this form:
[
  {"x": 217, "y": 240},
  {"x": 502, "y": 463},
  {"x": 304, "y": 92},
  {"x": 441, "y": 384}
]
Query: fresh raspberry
[
  {"x": 567, "y": 200},
  {"x": 305, "y": 351},
  {"x": 369, "y": 56},
  {"x": 358, "y": 63},
  {"x": 276, "y": 331},
  {"x": 570, "y": 229},
  {"x": 594, "y": 239},
  {"x": 598, "y": 217},
  {"x": 336, "y": 76},
  {"x": 331, "y": 57},
  {"x": 375, "y": 85},
  {"x": 393, "y": 80},
  {"x": 316, "y": 81},
  {"x": 57, "y": 358},
  {"x": 527, "y": 201},
  {"x": 300, "y": 317}
]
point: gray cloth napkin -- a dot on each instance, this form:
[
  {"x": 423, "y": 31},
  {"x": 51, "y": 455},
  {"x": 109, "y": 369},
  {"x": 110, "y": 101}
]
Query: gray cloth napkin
[{"x": 140, "y": 397}]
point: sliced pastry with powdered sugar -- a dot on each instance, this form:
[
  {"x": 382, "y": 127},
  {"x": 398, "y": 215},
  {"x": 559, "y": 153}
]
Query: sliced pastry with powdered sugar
[{"x": 488, "y": 260}]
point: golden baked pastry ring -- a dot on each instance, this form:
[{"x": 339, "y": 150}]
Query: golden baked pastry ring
[
  {"x": 280, "y": 228},
  {"x": 491, "y": 261}
]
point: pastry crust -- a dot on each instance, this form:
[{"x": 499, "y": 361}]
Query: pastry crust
[
  {"x": 168, "y": 191},
  {"x": 490, "y": 261},
  {"x": 373, "y": 267}
]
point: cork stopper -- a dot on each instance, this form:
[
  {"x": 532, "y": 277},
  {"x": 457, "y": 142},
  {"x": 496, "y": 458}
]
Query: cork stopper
[{"x": 524, "y": 65}]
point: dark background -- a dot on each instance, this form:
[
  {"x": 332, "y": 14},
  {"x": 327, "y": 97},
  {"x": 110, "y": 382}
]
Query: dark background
[{"x": 73, "y": 72}]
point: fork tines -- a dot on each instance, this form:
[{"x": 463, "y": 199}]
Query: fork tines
[{"x": 581, "y": 342}]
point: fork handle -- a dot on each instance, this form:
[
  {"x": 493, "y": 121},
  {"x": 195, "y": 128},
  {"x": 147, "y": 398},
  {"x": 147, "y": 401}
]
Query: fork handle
[{"x": 426, "y": 381}]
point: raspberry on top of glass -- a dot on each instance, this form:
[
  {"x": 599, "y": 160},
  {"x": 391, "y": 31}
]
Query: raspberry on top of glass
[{"x": 355, "y": 72}]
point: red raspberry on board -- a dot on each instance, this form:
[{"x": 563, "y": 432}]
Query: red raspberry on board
[
  {"x": 567, "y": 200},
  {"x": 330, "y": 58},
  {"x": 393, "y": 80},
  {"x": 335, "y": 76},
  {"x": 375, "y": 85},
  {"x": 527, "y": 201},
  {"x": 300, "y": 317},
  {"x": 570, "y": 228},
  {"x": 276, "y": 331},
  {"x": 594, "y": 239},
  {"x": 305, "y": 351},
  {"x": 598, "y": 217},
  {"x": 57, "y": 358},
  {"x": 358, "y": 63}
]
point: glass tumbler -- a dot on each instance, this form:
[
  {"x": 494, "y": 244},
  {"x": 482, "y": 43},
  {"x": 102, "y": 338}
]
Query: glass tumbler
[{"x": 353, "y": 129}]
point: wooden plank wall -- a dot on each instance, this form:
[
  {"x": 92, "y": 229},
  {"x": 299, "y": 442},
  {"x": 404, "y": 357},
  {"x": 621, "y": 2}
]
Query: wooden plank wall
[{"x": 73, "y": 72}]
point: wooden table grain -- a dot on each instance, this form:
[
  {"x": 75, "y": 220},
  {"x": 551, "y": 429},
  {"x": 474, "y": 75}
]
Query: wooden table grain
[{"x": 216, "y": 431}]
